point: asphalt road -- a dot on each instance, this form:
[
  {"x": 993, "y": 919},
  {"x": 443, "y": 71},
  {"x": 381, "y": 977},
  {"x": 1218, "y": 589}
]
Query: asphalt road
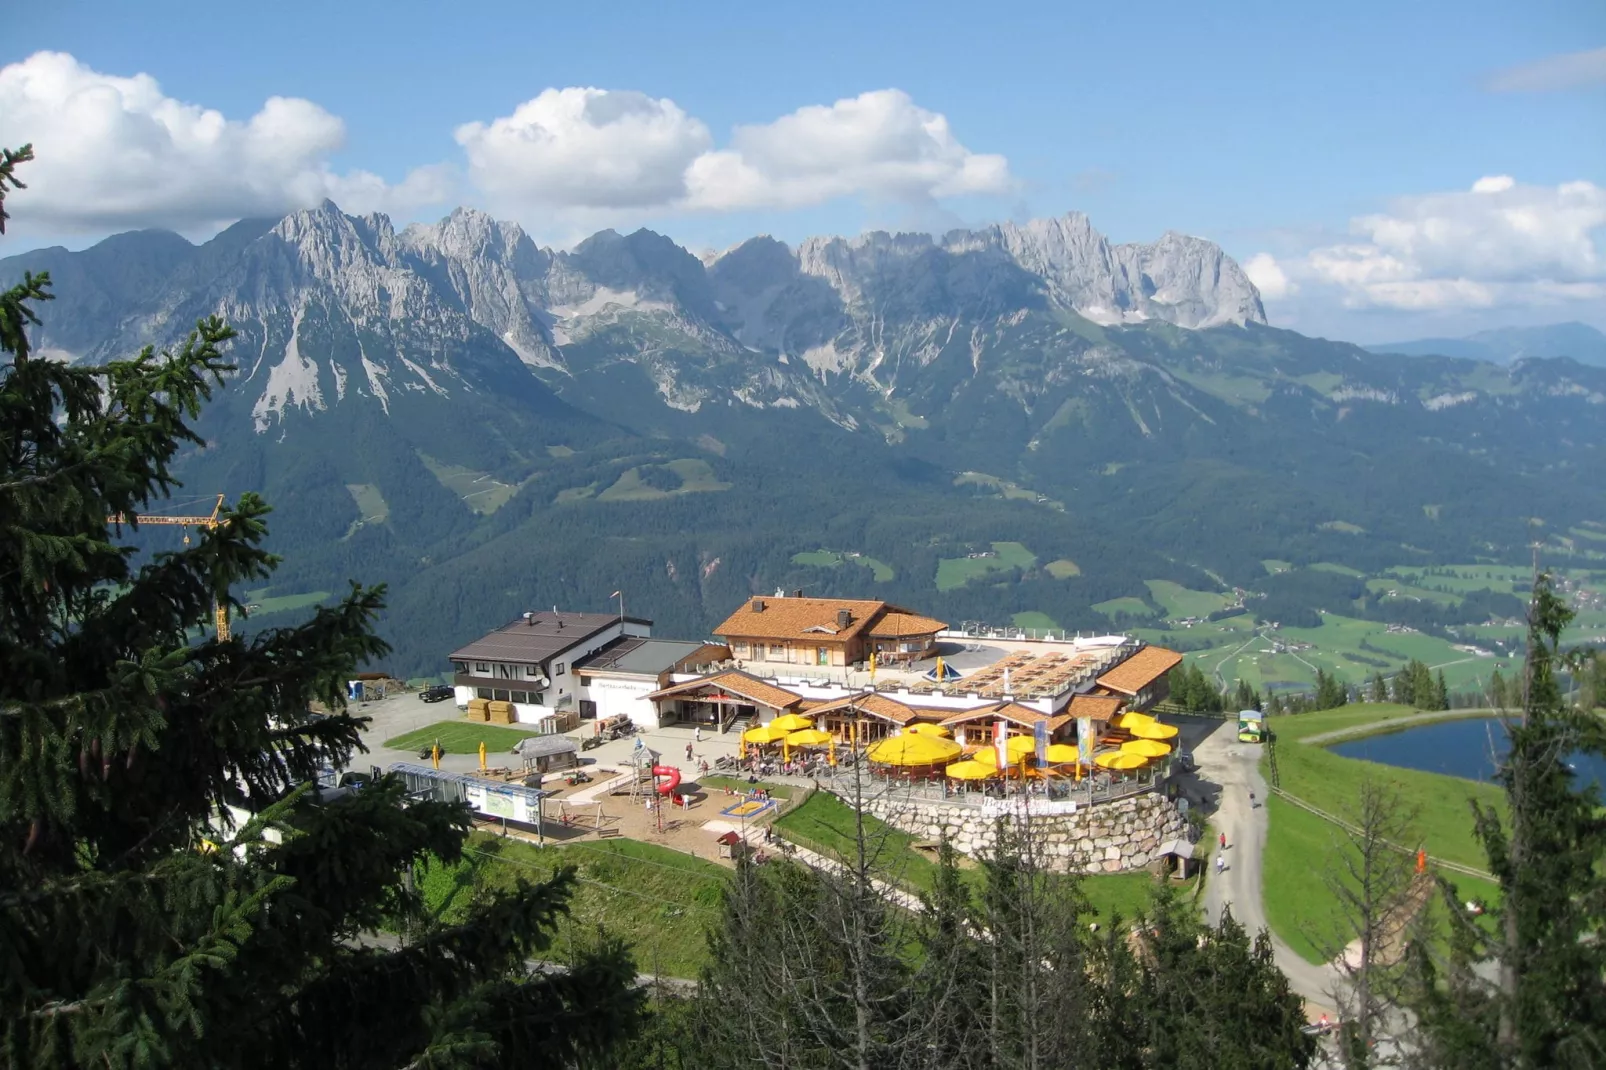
[{"x": 1233, "y": 769}]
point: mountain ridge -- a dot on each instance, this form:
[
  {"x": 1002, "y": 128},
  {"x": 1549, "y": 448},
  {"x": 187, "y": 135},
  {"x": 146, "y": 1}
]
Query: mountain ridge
[{"x": 486, "y": 425}]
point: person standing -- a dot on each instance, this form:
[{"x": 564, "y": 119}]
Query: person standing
[
  {"x": 1223, "y": 841},
  {"x": 688, "y": 752},
  {"x": 1221, "y": 864},
  {"x": 697, "y": 733}
]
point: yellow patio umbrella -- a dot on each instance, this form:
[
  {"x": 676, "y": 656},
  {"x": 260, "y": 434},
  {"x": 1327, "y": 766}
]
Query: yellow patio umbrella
[
  {"x": 1146, "y": 748},
  {"x": 1061, "y": 753},
  {"x": 809, "y": 737},
  {"x": 1130, "y": 720},
  {"x": 1117, "y": 760},
  {"x": 971, "y": 770},
  {"x": 910, "y": 750},
  {"x": 932, "y": 730},
  {"x": 1154, "y": 730},
  {"x": 791, "y": 722},
  {"x": 1018, "y": 747}
]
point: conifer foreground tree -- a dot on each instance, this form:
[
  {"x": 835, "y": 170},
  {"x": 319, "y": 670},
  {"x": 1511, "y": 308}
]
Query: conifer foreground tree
[
  {"x": 139, "y": 928},
  {"x": 1527, "y": 990}
]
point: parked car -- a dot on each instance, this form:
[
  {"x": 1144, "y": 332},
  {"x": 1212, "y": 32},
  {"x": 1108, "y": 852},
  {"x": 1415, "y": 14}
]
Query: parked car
[{"x": 437, "y": 693}]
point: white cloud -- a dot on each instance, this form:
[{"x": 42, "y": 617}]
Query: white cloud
[
  {"x": 1499, "y": 244},
  {"x": 1571, "y": 70},
  {"x": 115, "y": 152},
  {"x": 596, "y": 150},
  {"x": 586, "y": 149},
  {"x": 878, "y": 144},
  {"x": 1268, "y": 277}
]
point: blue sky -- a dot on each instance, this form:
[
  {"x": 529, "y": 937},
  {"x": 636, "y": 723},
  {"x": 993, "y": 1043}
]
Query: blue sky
[{"x": 1270, "y": 128}]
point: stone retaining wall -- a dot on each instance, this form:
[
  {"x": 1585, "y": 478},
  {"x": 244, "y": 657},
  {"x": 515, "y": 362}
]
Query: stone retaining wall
[{"x": 1103, "y": 838}]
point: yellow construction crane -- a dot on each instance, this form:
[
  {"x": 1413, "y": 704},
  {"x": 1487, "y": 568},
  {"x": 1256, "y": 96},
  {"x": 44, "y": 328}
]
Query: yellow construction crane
[{"x": 220, "y": 609}]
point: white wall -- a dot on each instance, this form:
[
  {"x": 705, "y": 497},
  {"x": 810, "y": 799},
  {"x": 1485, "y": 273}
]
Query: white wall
[
  {"x": 620, "y": 694},
  {"x": 567, "y": 682}
]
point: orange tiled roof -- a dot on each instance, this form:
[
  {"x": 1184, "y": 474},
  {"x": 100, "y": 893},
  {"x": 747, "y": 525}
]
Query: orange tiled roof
[
  {"x": 793, "y": 618},
  {"x": 736, "y": 682},
  {"x": 1013, "y": 712},
  {"x": 819, "y": 618},
  {"x": 1095, "y": 707},
  {"x": 888, "y": 709},
  {"x": 895, "y": 623},
  {"x": 1141, "y": 669}
]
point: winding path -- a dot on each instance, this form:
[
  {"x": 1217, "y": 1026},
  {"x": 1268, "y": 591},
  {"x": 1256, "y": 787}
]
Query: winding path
[{"x": 1235, "y": 768}]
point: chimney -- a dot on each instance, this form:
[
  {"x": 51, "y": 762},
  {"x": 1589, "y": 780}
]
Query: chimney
[
  {"x": 843, "y": 617},
  {"x": 758, "y": 605},
  {"x": 798, "y": 593}
]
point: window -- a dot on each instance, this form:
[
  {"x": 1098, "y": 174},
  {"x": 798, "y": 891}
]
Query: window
[
  {"x": 460, "y": 666},
  {"x": 521, "y": 696},
  {"x": 559, "y": 670},
  {"x": 499, "y": 695},
  {"x": 532, "y": 671},
  {"x": 482, "y": 692},
  {"x": 482, "y": 667},
  {"x": 822, "y": 656},
  {"x": 739, "y": 649}
]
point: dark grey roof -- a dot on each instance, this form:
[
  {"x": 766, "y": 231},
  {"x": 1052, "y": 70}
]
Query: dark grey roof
[
  {"x": 648, "y": 657},
  {"x": 541, "y": 746},
  {"x": 539, "y": 638}
]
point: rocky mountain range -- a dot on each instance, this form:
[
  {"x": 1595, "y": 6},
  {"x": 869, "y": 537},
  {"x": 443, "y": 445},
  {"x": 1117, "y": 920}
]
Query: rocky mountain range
[{"x": 490, "y": 425}]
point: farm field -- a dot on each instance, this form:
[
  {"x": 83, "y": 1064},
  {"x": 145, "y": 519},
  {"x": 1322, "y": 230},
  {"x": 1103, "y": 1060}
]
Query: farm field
[
  {"x": 1179, "y": 601},
  {"x": 1035, "y": 621},
  {"x": 267, "y": 602},
  {"x": 1124, "y": 607},
  {"x": 957, "y": 571},
  {"x": 478, "y": 490},
  {"x": 832, "y": 558},
  {"x": 696, "y": 476}
]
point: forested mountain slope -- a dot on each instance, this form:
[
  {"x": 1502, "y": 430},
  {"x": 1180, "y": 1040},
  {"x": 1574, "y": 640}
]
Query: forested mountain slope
[{"x": 490, "y": 426}]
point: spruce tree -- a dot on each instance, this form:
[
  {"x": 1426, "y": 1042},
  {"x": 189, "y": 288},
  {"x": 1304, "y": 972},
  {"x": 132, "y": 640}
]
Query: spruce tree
[
  {"x": 171, "y": 891},
  {"x": 1545, "y": 1006},
  {"x": 1380, "y": 689}
]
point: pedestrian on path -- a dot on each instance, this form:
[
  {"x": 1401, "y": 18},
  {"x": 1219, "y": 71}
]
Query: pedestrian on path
[
  {"x": 697, "y": 733},
  {"x": 688, "y": 752},
  {"x": 1251, "y": 799},
  {"x": 1221, "y": 864},
  {"x": 1223, "y": 841}
]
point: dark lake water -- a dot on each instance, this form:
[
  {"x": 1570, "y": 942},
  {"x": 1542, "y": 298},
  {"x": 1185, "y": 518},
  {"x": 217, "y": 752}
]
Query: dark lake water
[{"x": 1459, "y": 748}]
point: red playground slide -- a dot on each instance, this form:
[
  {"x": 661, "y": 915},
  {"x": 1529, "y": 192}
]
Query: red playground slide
[{"x": 667, "y": 788}]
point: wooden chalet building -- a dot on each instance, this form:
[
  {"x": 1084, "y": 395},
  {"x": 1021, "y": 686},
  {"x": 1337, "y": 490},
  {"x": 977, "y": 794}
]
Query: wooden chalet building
[
  {"x": 1143, "y": 679},
  {"x": 787, "y": 630}
]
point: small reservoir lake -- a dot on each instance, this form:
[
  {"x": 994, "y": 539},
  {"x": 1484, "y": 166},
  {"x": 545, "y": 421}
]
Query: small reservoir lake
[{"x": 1458, "y": 748}]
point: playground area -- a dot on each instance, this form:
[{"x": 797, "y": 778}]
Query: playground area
[{"x": 652, "y": 802}]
